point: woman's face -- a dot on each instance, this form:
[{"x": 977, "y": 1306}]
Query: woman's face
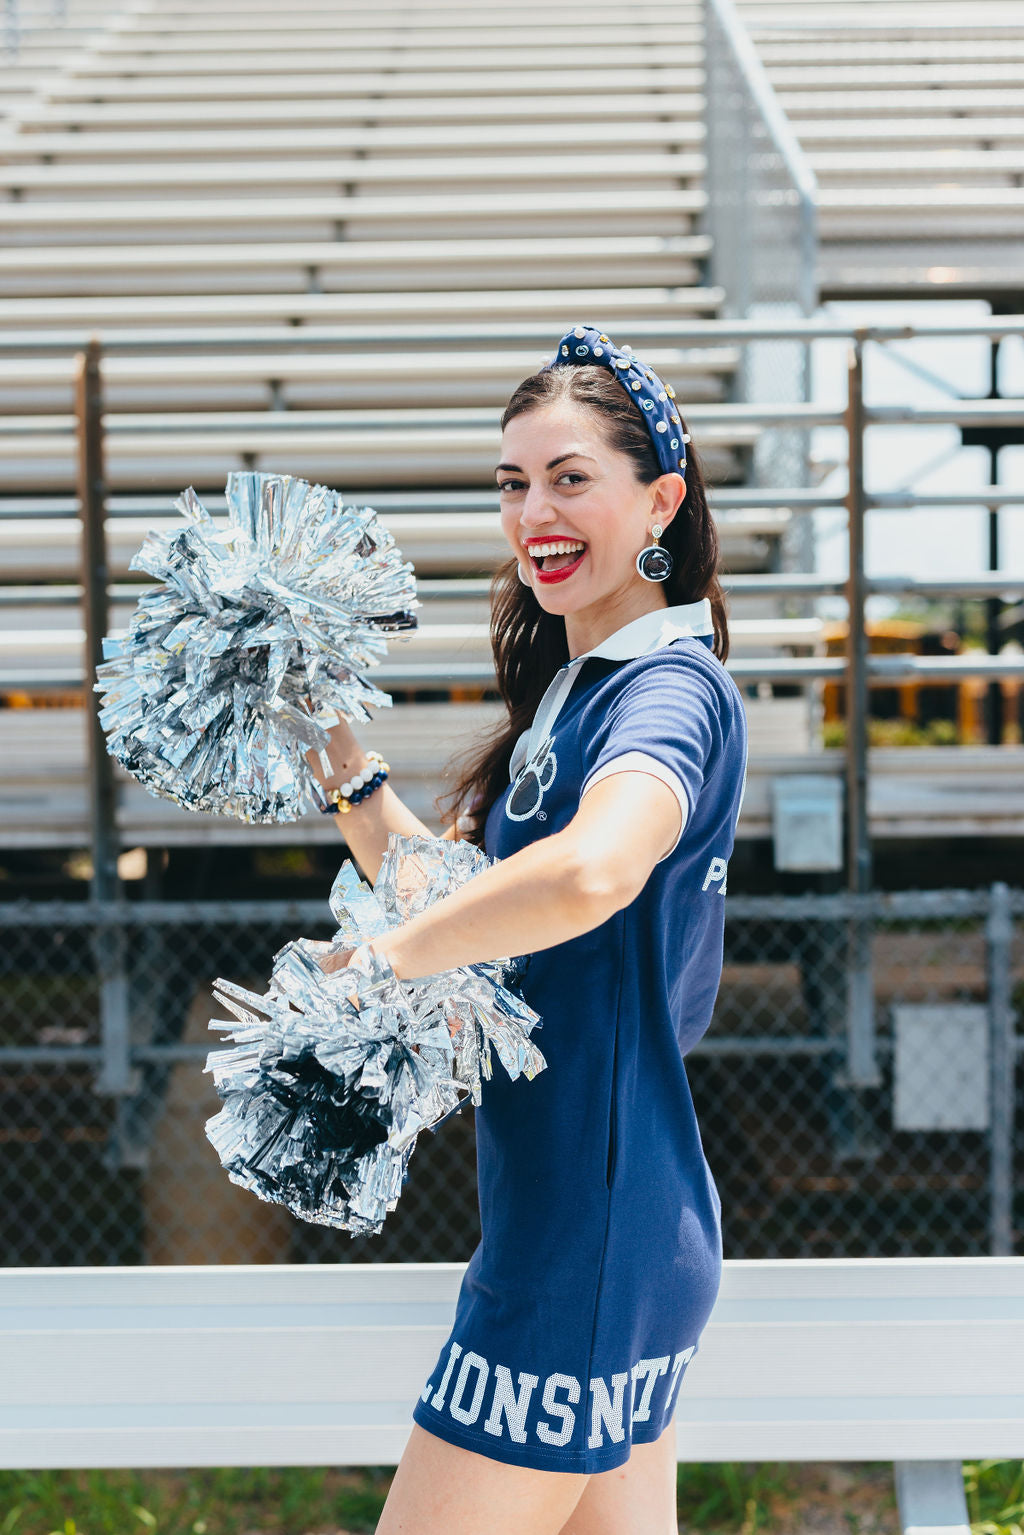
[{"x": 560, "y": 482}]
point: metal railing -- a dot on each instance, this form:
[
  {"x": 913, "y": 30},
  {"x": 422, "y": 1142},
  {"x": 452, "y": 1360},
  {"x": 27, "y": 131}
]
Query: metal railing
[
  {"x": 14, "y": 25},
  {"x": 761, "y": 215}
]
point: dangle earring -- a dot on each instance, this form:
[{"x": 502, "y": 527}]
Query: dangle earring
[
  {"x": 655, "y": 563},
  {"x": 524, "y": 579}
]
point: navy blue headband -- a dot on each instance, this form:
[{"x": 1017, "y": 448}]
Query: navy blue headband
[{"x": 586, "y": 344}]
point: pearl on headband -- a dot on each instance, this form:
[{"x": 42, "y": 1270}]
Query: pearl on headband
[{"x": 586, "y": 344}]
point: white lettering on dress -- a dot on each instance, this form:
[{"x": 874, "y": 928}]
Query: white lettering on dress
[
  {"x": 716, "y": 875},
  {"x": 506, "y": 1401},
  {"x": 438, "y": 1401},
  {"x": 554, "y": 1383},
  {"x": 607, "y": 1411},
  {"x": 470, "y": 1414},
  {"x": 677, "y": 1365},
  {"x": 651, "y": 1369}
]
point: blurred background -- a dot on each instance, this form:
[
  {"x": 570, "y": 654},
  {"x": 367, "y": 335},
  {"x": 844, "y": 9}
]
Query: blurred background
[{"x": 330, "y": 243}]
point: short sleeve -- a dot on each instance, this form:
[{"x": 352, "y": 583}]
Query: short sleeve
[{"x": 664, "y": 720}]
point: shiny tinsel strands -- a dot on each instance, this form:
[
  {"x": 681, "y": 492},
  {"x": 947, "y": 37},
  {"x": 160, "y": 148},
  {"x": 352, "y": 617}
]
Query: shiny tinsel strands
[
  {"x": 333, "y": 1074},
  {"x": 253, "y": 645}
]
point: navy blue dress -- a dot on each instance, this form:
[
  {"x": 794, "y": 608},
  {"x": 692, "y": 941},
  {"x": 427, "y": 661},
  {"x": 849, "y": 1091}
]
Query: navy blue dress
[{"x": 601, "y": 1250}]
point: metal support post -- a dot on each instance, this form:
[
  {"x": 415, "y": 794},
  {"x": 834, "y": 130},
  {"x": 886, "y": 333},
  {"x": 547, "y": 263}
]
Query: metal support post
[
  {"x": 858, "y": 834},
  {"x": 861, "y": 1065},
  {"x": 930, "y": 1497},
  {"x": 116, "y": 1074},
  {"x": 96, "y": 614},
  {"x": 1002, "y": 1064}
]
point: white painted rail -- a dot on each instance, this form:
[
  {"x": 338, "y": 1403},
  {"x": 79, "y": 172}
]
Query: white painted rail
[{"x": 908, "y": 1359}]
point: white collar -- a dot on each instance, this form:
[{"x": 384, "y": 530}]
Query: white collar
[
  {"x": 642, "y": 635},
  {"x": 653, "y": 630}
]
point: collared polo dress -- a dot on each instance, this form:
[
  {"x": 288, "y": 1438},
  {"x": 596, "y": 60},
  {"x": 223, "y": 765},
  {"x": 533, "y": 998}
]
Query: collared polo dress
[{"x": 601, "y": 1250}]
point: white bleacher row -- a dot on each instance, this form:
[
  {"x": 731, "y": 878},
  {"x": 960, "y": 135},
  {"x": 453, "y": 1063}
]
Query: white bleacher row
[
  {"x": 174, "y": 450},
  {"x": 826, "y": 142},
  {"x": 445, "y": 646},
  {"x": 411, "y": 172},
  {"x": 972, "y": 792},
  {"x": 265, "y": 314},
  {"x": 310, "y": 108},
  {"x": 439, "y": 542},
  {"x": 899, "y": 212},
  {"x": 359, "y": 175},
  {"x": 287, "y": 264},
  {"x": 646, "y": 130},
  {"x": 662, "y": 71},
  {"x": 221, "y": 164},
  {"x": 942, "y": 64},
  {"x": 656, "y": 210},
  {"x": 329, "y": 377}
]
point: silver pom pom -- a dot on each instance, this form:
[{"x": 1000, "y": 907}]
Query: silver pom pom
[
  {"x": 325, "y": 1094},
  {"x": 253, "y": 646}
]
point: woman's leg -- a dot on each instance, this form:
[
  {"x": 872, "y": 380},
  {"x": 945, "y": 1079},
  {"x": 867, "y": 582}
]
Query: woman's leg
[
  {"x": 442, "y": 1489},
  {"x": 638, "y": 1498}
]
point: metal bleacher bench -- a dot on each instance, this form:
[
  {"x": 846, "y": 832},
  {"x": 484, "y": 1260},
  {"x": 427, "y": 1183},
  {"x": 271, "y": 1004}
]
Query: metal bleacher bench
[{"x": 914, "y": 1360}]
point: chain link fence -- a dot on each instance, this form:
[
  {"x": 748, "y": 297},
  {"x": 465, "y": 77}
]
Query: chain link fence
[{"x": 822, "y": 1145}]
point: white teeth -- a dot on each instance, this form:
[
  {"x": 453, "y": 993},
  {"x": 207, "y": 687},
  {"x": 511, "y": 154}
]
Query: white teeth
[{"x": 538, "y": 550}]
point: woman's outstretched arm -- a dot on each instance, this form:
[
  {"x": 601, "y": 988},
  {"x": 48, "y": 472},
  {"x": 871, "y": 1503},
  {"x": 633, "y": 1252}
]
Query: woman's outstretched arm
[
  {"x": 367, "y": 826},
  {"x": 553, "y": 890}
]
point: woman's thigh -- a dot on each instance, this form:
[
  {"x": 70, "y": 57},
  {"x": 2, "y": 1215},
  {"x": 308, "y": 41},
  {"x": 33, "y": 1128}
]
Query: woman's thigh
[
  {"x": 638, "y": 1498},
  {"x": 442, "y": 1489}
]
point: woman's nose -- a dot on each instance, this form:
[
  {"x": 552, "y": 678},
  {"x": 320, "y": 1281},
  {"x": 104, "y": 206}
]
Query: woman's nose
[{"x": 537, "y": 508}]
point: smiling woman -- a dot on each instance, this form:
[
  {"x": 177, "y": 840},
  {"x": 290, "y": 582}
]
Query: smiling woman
[
  {"x": 608, "y": 799},
  {"x": 580, "y": 465}
]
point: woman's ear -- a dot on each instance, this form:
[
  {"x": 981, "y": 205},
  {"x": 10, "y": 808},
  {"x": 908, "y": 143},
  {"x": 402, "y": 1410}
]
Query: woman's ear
[{"x": 668, "y": 493}]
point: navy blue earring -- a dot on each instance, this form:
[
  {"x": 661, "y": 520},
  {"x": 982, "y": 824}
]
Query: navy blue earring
[{"x": 655, "y": 563}]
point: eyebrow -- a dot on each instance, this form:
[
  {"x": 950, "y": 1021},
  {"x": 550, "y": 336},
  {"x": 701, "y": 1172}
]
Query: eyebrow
[{"x": 553, "y": 464}]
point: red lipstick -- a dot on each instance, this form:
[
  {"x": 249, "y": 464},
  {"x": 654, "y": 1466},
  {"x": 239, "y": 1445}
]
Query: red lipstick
[{"x": 549, "y": 577}]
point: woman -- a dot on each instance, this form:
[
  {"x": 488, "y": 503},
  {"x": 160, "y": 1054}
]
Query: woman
[{"x": 610, "y": 796}]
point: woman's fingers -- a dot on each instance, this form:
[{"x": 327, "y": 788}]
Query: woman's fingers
[{"x": 337, "y": 960}]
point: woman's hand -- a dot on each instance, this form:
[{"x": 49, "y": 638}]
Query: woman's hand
[{"x": 337, "y": 959}]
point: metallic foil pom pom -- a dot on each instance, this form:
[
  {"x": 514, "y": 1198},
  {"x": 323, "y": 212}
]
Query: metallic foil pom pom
[
  {"x": 334, "y": 1074},
  {"x": 254, "y": 644}
]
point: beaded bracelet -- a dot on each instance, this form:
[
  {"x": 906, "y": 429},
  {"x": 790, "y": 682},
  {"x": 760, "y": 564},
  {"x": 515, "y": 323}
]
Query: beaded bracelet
[{"x": 359, "y": 787}]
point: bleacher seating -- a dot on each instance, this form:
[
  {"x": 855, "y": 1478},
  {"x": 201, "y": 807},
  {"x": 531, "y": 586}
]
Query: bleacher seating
[
  {"x": 910, "y": 114},
  {"x": 314, "y": 218}
]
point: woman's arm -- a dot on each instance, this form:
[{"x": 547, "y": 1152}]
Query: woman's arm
[
  {"x": 367, "y": 826},
  {"x": 555, "y": 889}
]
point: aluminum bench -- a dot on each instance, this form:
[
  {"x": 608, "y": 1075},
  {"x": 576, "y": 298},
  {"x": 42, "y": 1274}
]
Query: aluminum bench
[{"x": 901, "y": 1359}]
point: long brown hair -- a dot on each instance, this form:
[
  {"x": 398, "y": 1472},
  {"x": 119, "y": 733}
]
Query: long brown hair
[{"x": 529, "y": 644}]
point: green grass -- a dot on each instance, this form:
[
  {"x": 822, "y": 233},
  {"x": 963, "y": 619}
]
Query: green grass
[
  {"x": 995, "y": 1496},
  {"x": 742, "y": 1499},
  {"x": 287, "y": 1500}
]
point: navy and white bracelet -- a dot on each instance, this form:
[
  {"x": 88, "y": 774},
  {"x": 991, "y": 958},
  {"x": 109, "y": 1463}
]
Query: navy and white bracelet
[{"x": 359, "y": 787}]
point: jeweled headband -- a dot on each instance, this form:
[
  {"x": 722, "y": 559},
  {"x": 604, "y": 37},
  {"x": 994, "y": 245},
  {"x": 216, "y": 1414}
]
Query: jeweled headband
[{"x": 585, "y": 344}]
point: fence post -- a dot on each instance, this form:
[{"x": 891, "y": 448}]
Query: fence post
[
  {"x": 96, "y": 614},
  {"x": 858, "y": 833},
  {"x": 1002, "y": 1064},
  {"x": 115, "y": 1074},
  {"x": 861, "y": 1065}
]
